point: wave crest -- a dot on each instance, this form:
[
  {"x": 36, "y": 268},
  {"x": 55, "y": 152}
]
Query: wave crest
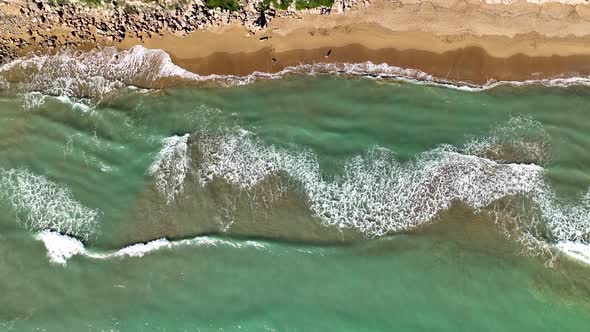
[
  {"x": 377, "y": 194},
  {"x": 100, "y": 73},
  {"x": 521, "y": 140},
  {"x": 171, "y": 166},
  {"x": 40, "y": 204},
  {"x": 95, "y": 75},
  {"x": 61, "y": 247}
]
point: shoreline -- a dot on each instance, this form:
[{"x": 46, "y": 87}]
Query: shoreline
[
  {"x": 460, "y": 41},
  {"x": 470, "y": 59},
  {"x": 464, "y": 41},
  {"x": 471, "y": 65}
]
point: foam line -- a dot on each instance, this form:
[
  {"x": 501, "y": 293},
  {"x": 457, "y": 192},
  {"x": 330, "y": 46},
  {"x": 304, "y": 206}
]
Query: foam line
[
  {"x": 42, "y": 204},
  {"x": 576, "y": 250},
  {"x": 102, "y": 72},
  {"x": 60, "y": 248},
  {"x": 377, "y": 194},
  {"x": 171, "y": 166}
]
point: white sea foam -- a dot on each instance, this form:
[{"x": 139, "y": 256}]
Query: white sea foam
[
  {"x": 576, "y": 250},
  {"x": 32, "y": 100},
  {"x": 171, "y": 166},
  {"x": 567, "y": 221},
  {"x": 386, "y": 72},
  {"x": 238, "y": 158},
  {"x": 103, "y": 72},
  {"x": 4, "y": 85},
  {"x": 82, "y": 105},
  {"x": 377, "y": 194},
  {"x": 520, "y": 140},
  {"x": 88, "y": 77},
  {"x": 140, "y": 249},
  {"x": 61, "y": 247},
  {"x": 40, "y": 204},
  {"x": 93, "y": 74}
]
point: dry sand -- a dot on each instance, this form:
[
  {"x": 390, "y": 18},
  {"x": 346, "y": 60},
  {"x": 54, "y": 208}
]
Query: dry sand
[
  {"x": 469, "y": 41},
  {"x": 464, "y": 40}
]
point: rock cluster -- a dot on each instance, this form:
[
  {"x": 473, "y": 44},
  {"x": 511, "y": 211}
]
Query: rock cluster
[{"x": 45, "y": 25}]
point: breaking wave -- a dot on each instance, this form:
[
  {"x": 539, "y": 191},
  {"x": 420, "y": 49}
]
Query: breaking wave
[
  {"x": 101, "y": 73},
  {"x": 576, "y": 250},
  {"x": 40, "y": 204},
  {"x": 61, "y": 247},
  {"x": 4, "y": 85},
  {"x": 377, "y": 194},
  {"x": 521, "y": 140},
  {"x": 95, "y": 74},
  {"x": 171, "y": 166}
]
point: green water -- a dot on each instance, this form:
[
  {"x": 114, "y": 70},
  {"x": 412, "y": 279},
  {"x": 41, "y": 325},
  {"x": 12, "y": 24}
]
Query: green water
[{"x": 276, "y": 264}]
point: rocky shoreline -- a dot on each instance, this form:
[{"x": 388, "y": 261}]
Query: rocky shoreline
[{"x": 48, "y": 25}]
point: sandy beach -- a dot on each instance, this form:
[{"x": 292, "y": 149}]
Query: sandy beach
[
  {"x": 471, "y": 41},
  {"x": 468, "y": 41}
]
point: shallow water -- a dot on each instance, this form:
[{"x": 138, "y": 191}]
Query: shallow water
[{"x": 302, "y": 203}]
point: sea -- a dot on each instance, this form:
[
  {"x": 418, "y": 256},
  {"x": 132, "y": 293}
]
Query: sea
[{"x": 137, "y": 196}]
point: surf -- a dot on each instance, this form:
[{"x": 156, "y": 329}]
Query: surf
[
  {"x": 61, "y": 248},
  {"x": 374, "y": 193},
  {"x": 104, "y": 72},
  {"x": 41, "y": 204}
]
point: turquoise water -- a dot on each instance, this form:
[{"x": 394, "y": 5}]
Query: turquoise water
[{"x": 305, "y": 203}]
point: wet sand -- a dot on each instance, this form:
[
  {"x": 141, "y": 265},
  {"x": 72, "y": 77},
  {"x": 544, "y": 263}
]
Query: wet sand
[
  {"x": 471, "y": 65},
  {"x": 471, "y": 41},
  {"x": 468, "y": 41}
]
